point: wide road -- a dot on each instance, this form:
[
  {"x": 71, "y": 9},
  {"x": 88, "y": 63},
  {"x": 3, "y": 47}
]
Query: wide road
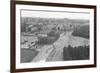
[{"x": 57, "y": 54}]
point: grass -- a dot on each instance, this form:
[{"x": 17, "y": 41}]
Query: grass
[
  {"x": 27, "y": 55},
  {"x": 81, "y": 31}
]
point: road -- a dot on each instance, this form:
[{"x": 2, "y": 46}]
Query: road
[{"x": 59, "y": 45}]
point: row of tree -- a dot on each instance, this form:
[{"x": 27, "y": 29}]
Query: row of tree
[{"x": 76, "y": 53}]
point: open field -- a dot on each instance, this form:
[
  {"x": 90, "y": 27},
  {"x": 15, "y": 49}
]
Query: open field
[
  {"x": 27, "y": 55},
  {"x": 81, "y": 31}
]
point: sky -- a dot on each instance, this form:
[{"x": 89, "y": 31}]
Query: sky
[{"x": 55, "y": 14}]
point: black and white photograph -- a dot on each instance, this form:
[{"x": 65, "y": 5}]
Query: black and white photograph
[
  {"x": 51, "y": 36},
  {"x": 54, "y": 36}
]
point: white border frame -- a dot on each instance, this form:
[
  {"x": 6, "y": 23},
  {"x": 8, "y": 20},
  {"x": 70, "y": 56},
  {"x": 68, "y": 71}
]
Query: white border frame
[{"x": 52, "y": 64}]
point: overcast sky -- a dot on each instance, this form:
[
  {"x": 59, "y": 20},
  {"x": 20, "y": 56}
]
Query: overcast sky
[{"x": 51, "y": 14}]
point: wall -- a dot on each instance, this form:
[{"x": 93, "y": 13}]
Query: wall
[{"x": 5, "y": 36}]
